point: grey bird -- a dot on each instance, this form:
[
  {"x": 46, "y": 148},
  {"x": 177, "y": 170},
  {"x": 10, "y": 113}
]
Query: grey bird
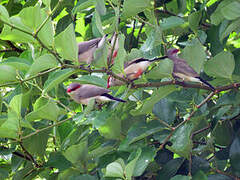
[
  {"x": 183, "y": 71},
  {"x": 83, "y": 93},
  {"x": 86, "y": 49},
  {"x": 132, "y": 70}
]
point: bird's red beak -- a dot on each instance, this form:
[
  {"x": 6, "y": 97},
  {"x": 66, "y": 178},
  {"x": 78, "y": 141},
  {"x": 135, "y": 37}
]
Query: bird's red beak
[{"x": 69, "y": 90}]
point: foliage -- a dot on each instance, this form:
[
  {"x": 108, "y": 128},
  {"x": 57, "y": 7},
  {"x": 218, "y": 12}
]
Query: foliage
[{"x": 166, "y": 130}]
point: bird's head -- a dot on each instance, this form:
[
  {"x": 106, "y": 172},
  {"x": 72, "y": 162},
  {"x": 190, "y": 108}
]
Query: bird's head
[
  {"x": 73, "y": 87},
  {"x": 172, "y": 52}
]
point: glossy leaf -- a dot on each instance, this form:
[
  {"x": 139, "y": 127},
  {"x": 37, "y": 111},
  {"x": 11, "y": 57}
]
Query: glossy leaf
[
  {"x": 180, "y": 177},
  {"x": 165, "y": 110},
  {"x": 18, "y": 63},
  {"x": 66, "y": 44},
  {"x": 235, "y": 154},
  {"x": 181, "y": 139},
  {"x": 132, "y": 7},
  {"x": 42, "y": 63},
  {"x": 114, "y": 169},
  {"x": 170, "y": 168},
  {"x": 56, "y": 78},
  {"x": 139, "y": 131},
  {"x": 4, "y": 16},
  {"x": 194, "y": 19},
  {"x": 171, "y": 22},
  {"x": 57, "y": 160},
  {"x": 222, "y": 133},
  {"x": 195, "y": 56},
  {"x": 158, "y": 94},
  {"x": 95, "y": 80},
  {"x": 129, "y": 170},
  {"x": 7, "y": 73},
  {"x": 164, "y": 69},
  {"x": 221, "y": 65},
  {"x": 231, "y": 10}
]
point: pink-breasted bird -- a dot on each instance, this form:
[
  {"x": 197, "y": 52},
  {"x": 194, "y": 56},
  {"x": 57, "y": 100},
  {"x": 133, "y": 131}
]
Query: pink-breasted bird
[
  {"x": 83, "y": 93},
  {"x": 183, "y": 71},
  {"x": 132, "y": 70}
]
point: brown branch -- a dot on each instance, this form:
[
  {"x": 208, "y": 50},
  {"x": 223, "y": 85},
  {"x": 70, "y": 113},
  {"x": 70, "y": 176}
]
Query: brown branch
[
  {"x": 46, "y": 128},
  {"x": 28, "y": 155},
  {"x": 165, "y": 141},
  {"x": 226, "y": 174},
  {"x": 197, "y": 107},
  {"x": 30, "y": 78}
]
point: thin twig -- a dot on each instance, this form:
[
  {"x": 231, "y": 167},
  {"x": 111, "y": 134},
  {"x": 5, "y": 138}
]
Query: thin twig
[
  {"x": 226, "y": 174},
  {"x": 29, "y": 155},
  {"x": 46, "y": 128},
  {"x": 195, "y": 110},
  {"x": 30, "y": 78},
  {"x": 165, "y": 141}
]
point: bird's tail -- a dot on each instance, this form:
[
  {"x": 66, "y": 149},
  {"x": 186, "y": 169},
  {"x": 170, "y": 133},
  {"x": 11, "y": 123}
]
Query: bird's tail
[
  {"x": 206, "y": 83},
  {"x": 113, "y": 98},
  {"x": 158, "y": 58}
]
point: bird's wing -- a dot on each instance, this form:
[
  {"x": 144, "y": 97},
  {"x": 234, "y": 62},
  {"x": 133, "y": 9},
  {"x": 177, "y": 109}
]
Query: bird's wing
[
  {"x": 181, "y": 66},
  {"x": 88, "y": 91},
  {"x": 138, "y": 60},
  {"x": 84, "y": 46}
]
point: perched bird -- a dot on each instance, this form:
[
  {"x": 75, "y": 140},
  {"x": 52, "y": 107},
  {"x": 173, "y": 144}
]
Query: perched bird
[
  {"x": 183, "y": 71},
  {"x": 86, "y": 49},
  {"x": 132, "y": 70},
  {"x": 83, "y": 93}
]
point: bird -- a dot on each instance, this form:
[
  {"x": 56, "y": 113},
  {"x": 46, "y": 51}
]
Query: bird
[
  {"x": 183, "y": 71},
  {"x": 83, "y": 93},
  {"x": 86, "y": 49},
  {"x": 132, "y": 70}
]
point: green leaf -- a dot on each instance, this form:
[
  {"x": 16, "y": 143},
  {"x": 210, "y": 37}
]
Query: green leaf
[
  {"x": 81, "y": 5},
  {"x": 170, "y": 168},
  {"x": 56, "y": 78},
  {"x": 235, "y": 154},
  {"x": 7, "y": 74},
  {"x": 118, "y": 65},
  {"x": 95, "y": 80},
  {"x": 148, "y": 103},
  {"x": 217, "y": 16},
  {"x": 14, "y": 35},
  {"x": 37, "y": 144},
  {"x": 16, "y": 104},
  {"x": 234, "y": 26},
  {"x": 200, "y": 176},
  {"x": 132, "y": 7},
  {"x": 10, "y": 126},
  {"x": 100, "y": 7},
  {"x": 129, "y": 169},
  {"x": 165, "y": 110},
  {"x": 164, "y": 69},
  {"x": 223, "y": 133},
  {"x": 195, "y": 56},
  {"x": 18, "y": 63},
  {"x": 154, "y": 38},
  {"x": 44, "y": 109},
  {"x": 190, "y": 4},
  {"x": 42, "y": 63},
  {"x": 66, "y": 44},
  {"x": 97, "y": 27},
  {"x": 194, "y": 19},
  {"x": 139, "y": 131},
  {"x": 171, "y": 22},
  {"x": 181, "y": 177},
  {"x": 221, "y": 65},
  {"x": 231, "y": 10},
  {"x": 4, "y": 16},
  {"x": 100, "y": 56},
  {"x": 57, "y": 160},
  {"x": 77, "y": 154},
  {"x": 146, "y": 157},
  {"x": 114, "y": 169},
  {"x": 33, "y": 17},
  {"x": 181, "y": 138}
]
